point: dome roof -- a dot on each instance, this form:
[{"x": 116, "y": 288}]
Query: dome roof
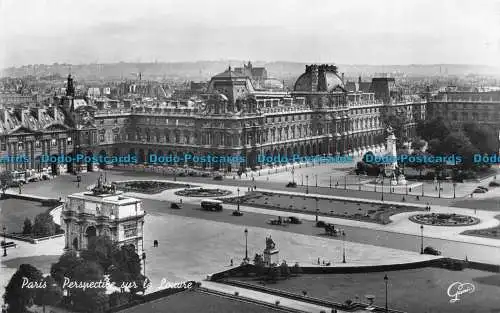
[{"x": 325, "y": 79}]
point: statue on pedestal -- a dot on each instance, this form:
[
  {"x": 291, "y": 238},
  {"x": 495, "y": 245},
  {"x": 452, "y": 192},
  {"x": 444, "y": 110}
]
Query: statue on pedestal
[{"x": 271, "y": 254}]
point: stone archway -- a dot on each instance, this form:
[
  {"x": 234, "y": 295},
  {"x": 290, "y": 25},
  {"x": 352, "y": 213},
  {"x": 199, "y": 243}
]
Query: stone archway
[
  {"x": 90, "y": 234},
  {"x": 89, "y": 159},
  {"x": 141, "y": 158},
  {"x": 102, "y": 156}
]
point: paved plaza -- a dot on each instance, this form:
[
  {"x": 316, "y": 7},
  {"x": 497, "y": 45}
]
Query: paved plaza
[{"x": 192, "y": 247}]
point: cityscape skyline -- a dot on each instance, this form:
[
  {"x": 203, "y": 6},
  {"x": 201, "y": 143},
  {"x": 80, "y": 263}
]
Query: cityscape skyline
[{"x": 362, "y": 32}]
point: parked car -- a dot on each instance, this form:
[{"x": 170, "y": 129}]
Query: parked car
[
  {"x": 479, "y": 190},
  {"x": 291, "y": 185},
  {"x": 494, "y": 184},
  {"x": 294, "y": 220},
  {"x": 218, "y": 177},
  {"x": 175, "y": 206},
  {"x": 431, "y": 251},
  {"x": 482, "y": 187},
  {"x": 237, "y": 213}
]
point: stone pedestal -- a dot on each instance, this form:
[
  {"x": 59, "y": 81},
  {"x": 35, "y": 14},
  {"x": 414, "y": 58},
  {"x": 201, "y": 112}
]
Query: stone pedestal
[{"x": 271, "y": 257}]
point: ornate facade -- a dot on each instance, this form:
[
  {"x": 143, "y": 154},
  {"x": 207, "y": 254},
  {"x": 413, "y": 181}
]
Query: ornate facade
[
  {"x": 103, "y": 212},
  {"x": 234, "y": 118}
]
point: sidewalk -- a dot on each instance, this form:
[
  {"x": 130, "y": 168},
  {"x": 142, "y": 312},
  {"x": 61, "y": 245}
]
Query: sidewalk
[{"x": 264, "y": 297}]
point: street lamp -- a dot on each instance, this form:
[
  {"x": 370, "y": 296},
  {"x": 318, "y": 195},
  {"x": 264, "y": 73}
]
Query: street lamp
[
  {"x": 359, "y": 183},
  {"x": 386, "y": 280},
  {"x": 144, "y": 262},
  {"x": 4, "y": 241},
  {"x": 454, "y": 187},
  {"x": 307, "y": 184},
  {"x": 293, "y": 176},
  {"x": 330, "y": 182},
  {"x": 439, "y": 188},
  {"x": 317, "y": 209},
  {"x": 421, "y": 239},
  {"x": 246, "y": 246},
  {"x": 316, "y": 175},
  {"x": 345, "y": 182},
  {"x": 238, "y": 190},
  {"x": 343, "y": 247},
  {"x": 302, "y": 179},
  {"x": 382, "y": 188}
]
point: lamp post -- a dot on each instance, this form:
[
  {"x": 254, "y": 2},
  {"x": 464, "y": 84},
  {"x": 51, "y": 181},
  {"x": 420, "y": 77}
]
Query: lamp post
[
  {"x": 422, "y": 189},
  {"x": 293, "y": 175},
  {"x": 406, "y": 186},
  {"x": 144, "y": 262},
  {"x": 4, "y": 241},
  {"x": 343, "y": 247},
  {"x": 307, "y": 184},
  {"x": 454, "y": 187},
  {"x": 317, "y": 209},
  {"x": 238, "y": 190},
  {"x": 421, "y": 239},
  {"x": 382, "y": 188},
  {"x": 386, "y": 280},
  {"x": 302, "y": 179},
  {"x": 439, "y": 188},
  {"x": 316, "y": 176},
  {"x": 345, "y": 182},
  {"x": 246, "y": 246},
  {"x": 330, "y": 182}
]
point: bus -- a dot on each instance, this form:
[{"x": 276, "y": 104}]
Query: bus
[{"x": 211, "y": 205}]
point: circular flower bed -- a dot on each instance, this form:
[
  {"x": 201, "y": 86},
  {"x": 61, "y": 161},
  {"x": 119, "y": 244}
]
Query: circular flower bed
[
  {"x": 442, "y": 219},
  {"x": 147, "y": 186},
  {"x": 203, "y": 192}
]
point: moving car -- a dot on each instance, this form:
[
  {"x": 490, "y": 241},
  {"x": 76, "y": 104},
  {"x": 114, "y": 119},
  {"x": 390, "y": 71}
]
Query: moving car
[
  {"x": 431, "y": 251},
  {"x": 479, "y": 190},
  {"x": 211, "y": 205}
]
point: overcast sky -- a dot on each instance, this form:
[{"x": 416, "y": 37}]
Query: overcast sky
[{"x": 344, "y": 32}]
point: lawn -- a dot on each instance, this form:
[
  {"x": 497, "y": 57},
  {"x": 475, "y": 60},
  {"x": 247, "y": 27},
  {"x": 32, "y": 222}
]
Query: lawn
[
  {"x": 493, "y": 232},
  {"x": 413, "y": 291},
  {"x": 148, "y": 186},
  {"x": 375, "y": 213},
  {"x": 13, "y": 212}
]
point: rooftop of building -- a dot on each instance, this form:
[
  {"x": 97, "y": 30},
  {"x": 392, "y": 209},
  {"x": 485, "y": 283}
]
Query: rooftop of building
[{"x": 199, "y": 301}]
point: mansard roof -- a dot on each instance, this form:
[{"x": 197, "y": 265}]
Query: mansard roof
[{"x": 32, "y": 120}]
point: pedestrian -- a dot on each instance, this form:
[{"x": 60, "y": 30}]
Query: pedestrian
[
  {"x": 231, "y": 262},
  {"x": 418, "y": 198},
  {"x": 318, "y": 262}
]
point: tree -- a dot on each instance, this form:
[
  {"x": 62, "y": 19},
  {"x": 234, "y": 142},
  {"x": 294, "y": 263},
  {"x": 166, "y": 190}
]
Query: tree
[
  {"x": 18, "y": 296},
  {"x": 5, "y": 180},
  {"x": 274, "y": 273},
  {"x": 50, "y": 295},
  {"x": 44, "y": 225},
  {"x": 65, "y": 267},
  {"x": 88, "y": 300},
  {"x": 484, "y": 138},
  {"x": 285, "y": 270},
  {"x": 28, "y": 227},
  {"x": 418, "y": 143},
  {"x": 398, "y": 123},
  {"x": 126, "y": 269},
  {"x": 100, "y": 249}
]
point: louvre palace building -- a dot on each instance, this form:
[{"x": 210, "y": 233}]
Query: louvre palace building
[{"x": 323, "y": 115}]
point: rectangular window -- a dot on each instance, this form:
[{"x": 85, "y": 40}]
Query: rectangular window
[
  {"x": 37, "y": 144},
  {"x": 69, "y": 141},
  {"x": 101, "y": 137},
  {"x": 54, "y": 142}
]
